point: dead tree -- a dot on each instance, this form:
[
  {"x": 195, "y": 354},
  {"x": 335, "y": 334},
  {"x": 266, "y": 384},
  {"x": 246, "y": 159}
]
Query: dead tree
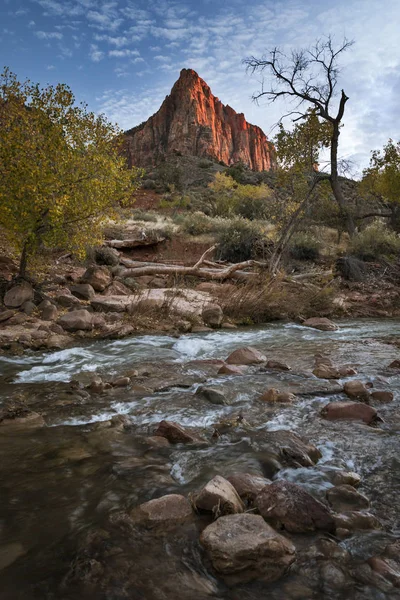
[{"x": 308, "y": 77}]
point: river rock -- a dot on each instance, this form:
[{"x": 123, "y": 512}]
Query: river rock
[
  {"x": 111, "y": 304},
  {"x": 96, "y": 385},
  {"x": 273, "y": 395},
  {"x": 247, "y": 485},
  {"x": 219, "y": 497},
  {"x": 356, "y": 411},
  {"x": 356, "y": 389},
  {"x": 49, "y": 313},
  {"x": 212, "y": 395},
  {"x": 347, "y": 371},
  {"x": 321, "y": 323},
  {"x": 21, "y": 419},
  {"x": 354, "y": 520},
  {"x": 77, "y": 320},
  {"x": 395, "y": 364},
  {"x": 382, "y": 396},
  {"x": 58, "y": 342},
  {"x": 346, "y": 478},
  {"x": 345, "y": 497},
  {"x": 276, "y": 365},
  {"x": 246, "y": 356},
  {"x": 18, "y": 294},
  {"x": 288, "y": 505},
  {"x": 212, "y": 315},
  {"x": 117, "y": 288},
  {"x": 243, "y": 547},
  {"x": 326, "y": 372},
  {"x": 98, "y": 277},
  {"x": 230, "y": 370},
  {"x": 67, "y": 300},
  {"x": 28, "y": 307},
  {"x": 167, "y": 511},
  {"x": 175, "y": 433},
  {"x": 387, "y": 568},
  {"x": 83, "y": 291},
  {"x": 121, "y": 382},
  {"x": 5, "y": 315}
]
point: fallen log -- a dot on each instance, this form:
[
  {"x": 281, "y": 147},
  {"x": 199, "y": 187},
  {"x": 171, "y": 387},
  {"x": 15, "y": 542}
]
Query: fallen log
[
  {"x": 235, "y": 271},
  {"x": 134, "y": 242}
]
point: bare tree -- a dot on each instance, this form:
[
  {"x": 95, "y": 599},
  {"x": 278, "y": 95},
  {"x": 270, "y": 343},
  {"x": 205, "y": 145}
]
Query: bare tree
[{"x": 309, "y": 77}]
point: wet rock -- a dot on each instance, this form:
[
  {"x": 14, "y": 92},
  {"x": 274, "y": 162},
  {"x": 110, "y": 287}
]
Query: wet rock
[
  {"x": 212, "y": 395},
  {"x": 243, "y": 547},
  {"x": 212, "y": 315},
  {"x": 83, "y": 291},
  {"x": 273, "y": 395},
  {"x": 276, "y": 365},
  {"x": 288, "y": 505},
  {"x": 386, "y": 568},
  {"x": 347, "y": 371},
  {"x": 18, "y": 294},
  {"x": 321, "y": 323},
  {"x": 175, "y": 433},
  {"x": 28, "y": 307},
  {"x": 9, "y": 553},
  {"x": 98, "y": 277},
  {"x": 333, "y": 576},
  {"x": 167, "y": 511},
  {"x": 345, "y": 497},
  {"x": 230, "y": 370},
  {"x": 121, "y": 382},
  {"x": 226, "y": 325},
  {"x": 395, "y": 364},
  {"x": 292, "y": 449},
  {"x": 157, "y": 441},
  {"x": 382, "y": 396},
  {"x": 248, "y": 486},
  {"x": 96, "y": 385},
  {"x": 219, "y": 497},
  {"x": 326, "y": 372},
  {"x": 353, "y": 521},
  {"x": 346, "y": 478},
  {"x": 356, "y": 389},
  {"x": 77, "y": 320},
  {"x": 58, "y": 342},
  {"x": 16, "y": 417},
  {"x": 49, "y": 313},
  {"x": 5, "y": 315},
  {"x": 246, "y": 356},
  {"x": 354, "y": 411}
]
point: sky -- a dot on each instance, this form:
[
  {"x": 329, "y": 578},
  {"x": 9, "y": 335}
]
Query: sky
[{"x": 123, "y": 56}]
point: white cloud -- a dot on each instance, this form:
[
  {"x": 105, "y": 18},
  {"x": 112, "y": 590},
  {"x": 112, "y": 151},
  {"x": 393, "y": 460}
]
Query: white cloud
[
  {"x": 119, "y": 41},
  {"x": 95, "y": 54},
  {"x": 123, "y": 53},
  {"x": 52, "y": 35},
  {"x": 50, "y": 67}
]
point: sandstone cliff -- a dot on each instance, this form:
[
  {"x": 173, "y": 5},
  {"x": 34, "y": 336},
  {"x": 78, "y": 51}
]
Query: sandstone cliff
[{"x": 192, "y": 121}]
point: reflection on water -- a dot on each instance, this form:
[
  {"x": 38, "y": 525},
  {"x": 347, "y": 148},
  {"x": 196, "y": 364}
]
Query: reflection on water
[{"x": 61, "y": 484}]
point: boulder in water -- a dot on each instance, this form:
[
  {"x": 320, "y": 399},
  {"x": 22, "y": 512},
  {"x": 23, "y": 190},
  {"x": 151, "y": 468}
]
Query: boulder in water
[
  {"x": 273, "y": 395},
  {"x": 167, "y": 511},
  {"x": 355, "y": 411},
  {"x": 356, "y": 389},
  {"x": 212, "y": 315},
  {"x": 345, "y": 497},
  {"x": 212, "y": 395},
  {"x": 246, "y": 356},
  {"x": 243, "y": 548},
  {"x": 219, "y": 497},
  {"x": 326, "y": 372},
  {"x": 382, "y": 396},
  {"x": 321, "y": 323},
  {"x": 175, "y": 433},
  {"x": 288, "y": 505},
  {"x": 247, "y": 485}
]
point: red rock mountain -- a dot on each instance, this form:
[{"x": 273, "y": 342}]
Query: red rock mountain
[{"x": 192, "y": 121}]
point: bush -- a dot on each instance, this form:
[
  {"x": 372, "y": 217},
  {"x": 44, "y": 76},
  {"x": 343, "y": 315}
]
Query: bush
[
  {"x": 103, "y": 255},
  {"x": 149, "y": 184},
  {"x": 146, "y": 216},
  {"x": 196, "y": 223},
  {"x": 375, "y": 242},
  {"x": 239, "y": 240},
  {"x": 304, "y": 246},
  {"x": 205, "y": 163}
]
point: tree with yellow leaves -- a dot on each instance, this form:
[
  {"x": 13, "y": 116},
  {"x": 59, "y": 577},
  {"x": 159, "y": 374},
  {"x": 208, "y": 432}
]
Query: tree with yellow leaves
[{"x": 61, "y": 169}]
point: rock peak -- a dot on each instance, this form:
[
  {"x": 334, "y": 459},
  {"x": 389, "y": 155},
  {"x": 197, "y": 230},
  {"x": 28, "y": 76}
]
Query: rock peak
[{"x": 192, "y": 121}]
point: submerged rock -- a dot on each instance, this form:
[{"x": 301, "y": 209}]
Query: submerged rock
[
  {"x": 219, "y": 497},
  {"x": 273, "y": 395},
  {"x": 287, "y": 505},
  {"x": 243, "y": 548},
  {"x": 326, "y": 372},
  {"x": 246, "y": 356},
  {"x": 355, "y": 411},
  {"x": 346, "y": 478},
  {"x": 167, "y": 511},
  {"x": 175, "y": 433},
  {"x": 212, "y": 395}
]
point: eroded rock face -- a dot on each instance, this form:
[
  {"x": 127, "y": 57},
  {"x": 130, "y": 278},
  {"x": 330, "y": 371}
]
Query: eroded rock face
[
  {"x": 193, "y": 122},
  {"x": 288, "y": 505},
  {"x": 219, "y": 497},
  {"x": 243, "y": 548}
]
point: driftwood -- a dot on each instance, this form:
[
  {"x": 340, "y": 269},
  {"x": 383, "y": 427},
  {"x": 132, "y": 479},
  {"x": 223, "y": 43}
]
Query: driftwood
[
  {"x": 134, "y": 242},
  {"x": 213, "y": 271}
]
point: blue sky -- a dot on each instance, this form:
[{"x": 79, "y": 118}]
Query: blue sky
[{"x": 123, "y": 56}]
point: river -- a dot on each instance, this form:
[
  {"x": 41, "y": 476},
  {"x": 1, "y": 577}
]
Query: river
[{"x": 61, "y": 484}]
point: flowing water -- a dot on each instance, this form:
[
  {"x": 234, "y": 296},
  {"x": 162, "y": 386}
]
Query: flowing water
[{"x": 62, "y": 486}]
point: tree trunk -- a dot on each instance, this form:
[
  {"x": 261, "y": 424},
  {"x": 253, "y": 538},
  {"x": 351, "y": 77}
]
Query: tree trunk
[
  {"x": 335, "y": 182},
  {"x": 23, "y": 261}
]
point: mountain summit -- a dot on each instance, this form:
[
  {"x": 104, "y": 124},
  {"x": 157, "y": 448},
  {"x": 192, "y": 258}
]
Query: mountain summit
[{"x": 192, "y": 121}]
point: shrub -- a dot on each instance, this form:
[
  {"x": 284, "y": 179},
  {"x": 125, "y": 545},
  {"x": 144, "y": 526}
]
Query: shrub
[
  {"x": 304, "y": 246},
  {"x": 149, "y": 184},
  {"x": 375, "y": 242},
  {"x": 205, "y": 163},
  {"x": 103, "y": 255},
  {"x": 239, "y": 240},
  {"x": 196, "y": 223},
  {"x": 146, "y": 216}
]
